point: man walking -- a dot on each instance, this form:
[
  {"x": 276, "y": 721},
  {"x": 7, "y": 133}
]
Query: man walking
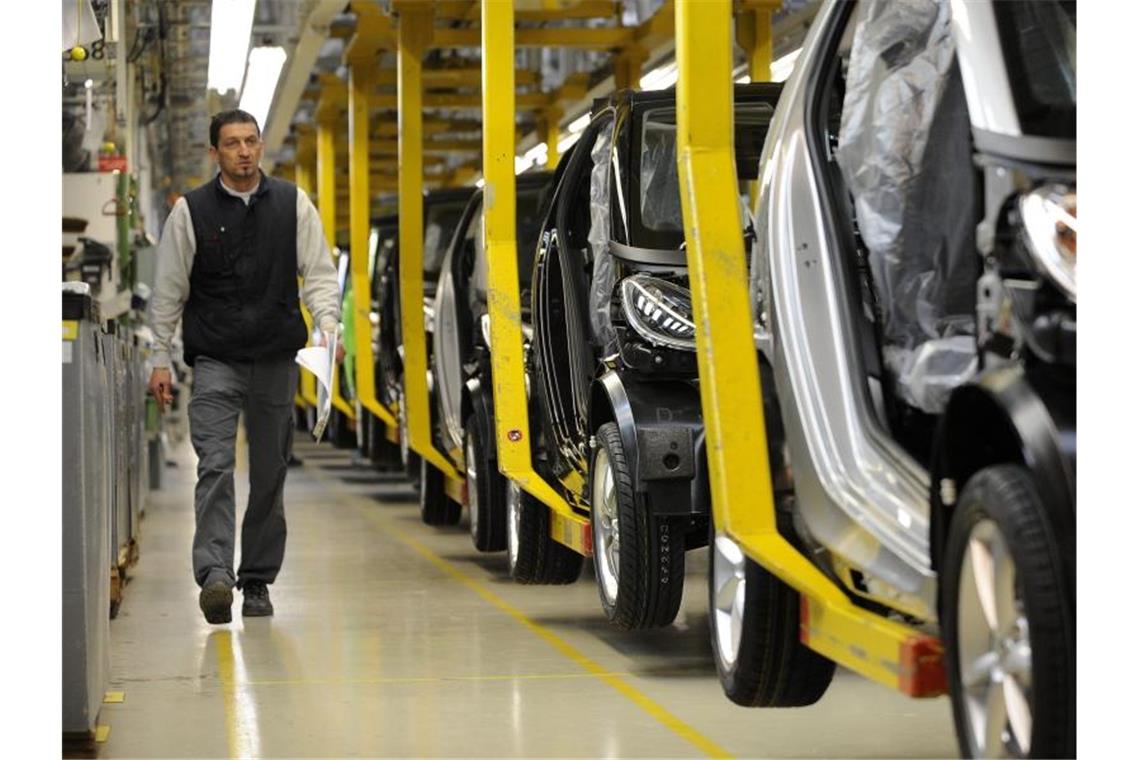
[{"x": 228, "y": 263}]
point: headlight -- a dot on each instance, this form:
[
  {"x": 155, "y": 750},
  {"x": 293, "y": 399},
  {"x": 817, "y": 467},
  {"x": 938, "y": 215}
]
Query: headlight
[
  {"x": 659, "y": 311},
  {"x": 1049, "y": 215}
]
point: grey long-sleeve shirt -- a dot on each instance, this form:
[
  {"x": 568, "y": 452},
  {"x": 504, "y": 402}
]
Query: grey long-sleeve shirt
[{"x": 320, "y": 291}]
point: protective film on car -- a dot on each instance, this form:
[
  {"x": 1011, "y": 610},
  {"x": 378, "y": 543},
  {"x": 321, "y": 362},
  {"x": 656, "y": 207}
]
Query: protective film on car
[
  {"x": 660, "y": 187},
  {"x": 905, "y": 154},
  {"x": 602, "y": 283}
]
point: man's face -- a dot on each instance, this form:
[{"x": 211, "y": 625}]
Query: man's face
[{"x": 239, "y": 151}]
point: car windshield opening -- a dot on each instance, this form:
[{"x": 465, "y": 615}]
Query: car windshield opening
[
  {"x": 1039, "y": 44},
  {"x": 660, "y": 202}
]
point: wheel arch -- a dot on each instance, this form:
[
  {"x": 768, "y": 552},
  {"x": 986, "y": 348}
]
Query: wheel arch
[{"x": 1000, "y": 419}]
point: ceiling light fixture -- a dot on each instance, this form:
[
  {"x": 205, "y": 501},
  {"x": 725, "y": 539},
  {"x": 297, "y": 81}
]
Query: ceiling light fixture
[
  {"x": 231, "y": 23},
  {"x": 265, "y": 64}
]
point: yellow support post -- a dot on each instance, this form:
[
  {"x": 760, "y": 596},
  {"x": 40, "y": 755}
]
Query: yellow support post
[
  {"x": 549, "y": 127},
  {"x": 360, "y": 84},
  {"x": 307, "y": 388},
  {"x": 512, "y": 423},
  {"x": 743, "y": 505},
  {"x": 414, "y": 34},
  {"x": 326, "y": 199},
  {"x": 627, "y": 67},
  {"x": 754, "y": 33}
]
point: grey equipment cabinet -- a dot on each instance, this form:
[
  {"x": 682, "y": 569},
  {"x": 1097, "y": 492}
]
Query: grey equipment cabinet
[{"x": 86, "y": 516}]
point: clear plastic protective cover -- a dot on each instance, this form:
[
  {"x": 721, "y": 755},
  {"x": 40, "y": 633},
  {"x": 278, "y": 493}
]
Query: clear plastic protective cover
[
  {"x": 904, "y": 150},
  {"x": 605, "y": 275},
  {"x": 660, "y": 186}
]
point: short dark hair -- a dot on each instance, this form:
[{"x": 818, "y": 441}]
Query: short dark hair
[{"x": 233, "y": 116}]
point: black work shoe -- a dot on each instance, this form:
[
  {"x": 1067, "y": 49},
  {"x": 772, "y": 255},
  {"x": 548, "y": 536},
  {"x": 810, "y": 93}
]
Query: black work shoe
[
  {"x": 295, "y": 461},
  {"x": 215, "y": 600},
  {"x": 256, "y": 602}
]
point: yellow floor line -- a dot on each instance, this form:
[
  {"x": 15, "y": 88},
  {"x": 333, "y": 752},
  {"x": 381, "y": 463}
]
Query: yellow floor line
[
  {"x": 225, "y": 652},
  {"x": 102, "y": 733},
  {"x": 114, "y": 697},
  {"x": 619, "y": 684}
]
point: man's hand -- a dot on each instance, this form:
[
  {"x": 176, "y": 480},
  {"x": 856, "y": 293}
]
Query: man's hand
[
  {"x": 339, "y": 348},
  {"x": 161, "y": 387}
]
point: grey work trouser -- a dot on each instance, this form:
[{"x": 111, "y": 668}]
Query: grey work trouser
[{"x": 264, "y": 390}]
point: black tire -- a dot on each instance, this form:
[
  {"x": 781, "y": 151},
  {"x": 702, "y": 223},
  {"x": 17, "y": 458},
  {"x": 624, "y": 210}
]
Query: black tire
[
  {"x": 1004, "y": 497},
  {"x": 340, "y": 434},
  {"x": 384, "y": 455},
  {"x": 770, "y": 667},
  {"x": 486, "y": 492},
  {"x": 436, "y": 507},
  {"x": 536, "y": 558},
  {"x": 645, "y": 590},
  {"x": 411, "y": 460}
]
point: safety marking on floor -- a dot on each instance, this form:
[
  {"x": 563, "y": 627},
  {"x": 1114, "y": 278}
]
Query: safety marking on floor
[
  {"x": 101, "y": 734},
  {"x": 114, "y": 697},
  {"x": 619, "y": 684}
]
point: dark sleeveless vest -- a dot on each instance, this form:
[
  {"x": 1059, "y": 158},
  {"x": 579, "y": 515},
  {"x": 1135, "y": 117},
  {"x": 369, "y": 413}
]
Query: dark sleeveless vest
[{"x": 244, "y": 302}]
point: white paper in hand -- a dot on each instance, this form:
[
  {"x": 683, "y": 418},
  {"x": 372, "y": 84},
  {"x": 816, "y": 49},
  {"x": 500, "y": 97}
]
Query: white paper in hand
[{"x": 321, "y": 361}]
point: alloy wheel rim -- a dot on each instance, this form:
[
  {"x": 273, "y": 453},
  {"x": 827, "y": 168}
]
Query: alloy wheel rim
[
  {"x": 995, "y": 657},
  {"x": 606, "y": 526},
  {"x": 728, "y": 599},
  {"x": 514, "y": 515},
  {"x": 472, "y": 487}
]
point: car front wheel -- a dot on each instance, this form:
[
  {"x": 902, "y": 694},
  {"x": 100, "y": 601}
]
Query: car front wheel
[{"x": 1007, "y": 622}]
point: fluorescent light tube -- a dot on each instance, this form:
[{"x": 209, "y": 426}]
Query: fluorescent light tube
[
  {"x": 231, "y": 23},
  {"x": 265, "y": 64}
]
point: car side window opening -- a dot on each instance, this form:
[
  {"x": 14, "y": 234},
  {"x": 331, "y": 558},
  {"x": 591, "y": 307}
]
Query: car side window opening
[{"x": 905, "y": 153}]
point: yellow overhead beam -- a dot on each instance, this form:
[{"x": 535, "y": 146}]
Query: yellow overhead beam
[
  {"x": 533, "y": 101},
  {"x": 432, "y": 126},
  {"x": 388, "y": 147},
  {"x": 414, "y": 33},
  {"x": 512, "y": 423},
  {"x": 601, "y": 38},
  {"x": 467, "y": 76},
  {"x": 375, "y": 31},
  {"x": 733, "y": 412},
  {"x": 530, "y": 10}
]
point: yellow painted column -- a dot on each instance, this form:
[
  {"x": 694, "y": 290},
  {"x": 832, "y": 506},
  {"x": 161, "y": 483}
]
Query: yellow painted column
[
  {"x": 326, "y": 177},
  {"x": 303, "y": 176},
  {"x": 326, "y": 204},
  {"x": 512, "y": 423},
  {"x": 550, "y": 131},
  {"x": 754, "y": 33},
  {"x": 739, "y": 475},
  {"x": 627, "y": 67},
  {"x": 413, "y": 35},
  {"x": 361, "y": 81}
]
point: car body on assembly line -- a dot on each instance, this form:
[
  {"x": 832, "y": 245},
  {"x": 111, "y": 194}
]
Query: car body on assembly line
[
  {"x": 616, "y": 412},
  {"x": 914, "y": 294}
]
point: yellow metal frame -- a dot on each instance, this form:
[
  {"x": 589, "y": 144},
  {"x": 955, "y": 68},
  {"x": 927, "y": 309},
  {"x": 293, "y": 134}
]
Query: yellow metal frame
[
  {"x": 360, "y": 84},
  {"x": 414, "y": 34},
  {"x": 326, "y": 200},
  {"x": 880, "y": 649},
  {"x": 512, "y": 419},
  {"x": 303, "y": 176}
]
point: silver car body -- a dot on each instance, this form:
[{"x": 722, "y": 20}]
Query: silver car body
[{"x": 860, "y": 495}]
